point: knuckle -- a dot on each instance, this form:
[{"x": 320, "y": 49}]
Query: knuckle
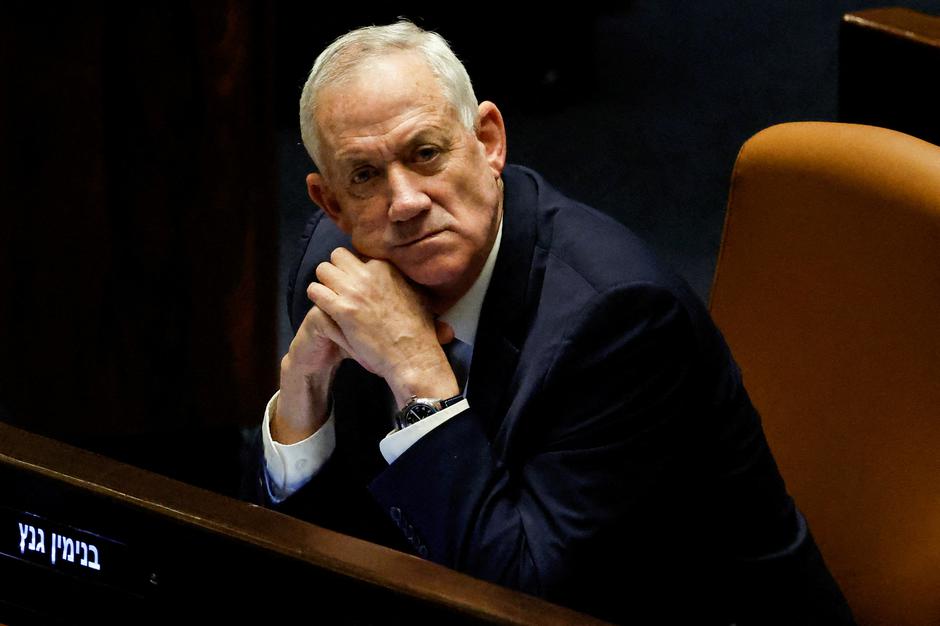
[
  {"x": 314, "y": 313},
  {"x": 344, "y": 308},
  {"x": 286, "y": 363}
]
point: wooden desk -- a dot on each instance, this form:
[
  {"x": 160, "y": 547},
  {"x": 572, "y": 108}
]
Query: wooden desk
[{"x": 168, "y": 552}]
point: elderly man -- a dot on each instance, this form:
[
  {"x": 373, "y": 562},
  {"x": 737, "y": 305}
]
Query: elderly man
[{"x": 505, "y": 381}]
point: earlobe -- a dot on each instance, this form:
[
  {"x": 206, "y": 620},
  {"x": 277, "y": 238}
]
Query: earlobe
[
  {"x": 491, "y": 133},
  {"x": 319, "y": 191}
]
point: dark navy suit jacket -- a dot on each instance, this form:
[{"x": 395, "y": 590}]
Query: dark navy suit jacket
[{"x": 610, "y": 459}]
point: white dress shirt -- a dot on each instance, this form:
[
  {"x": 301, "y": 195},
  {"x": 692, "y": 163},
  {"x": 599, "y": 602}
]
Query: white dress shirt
[{"x": 290, "y": 467}]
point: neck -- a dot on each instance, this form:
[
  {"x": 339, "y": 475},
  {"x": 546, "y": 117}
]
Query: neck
[{"x": 442, "y": 300}]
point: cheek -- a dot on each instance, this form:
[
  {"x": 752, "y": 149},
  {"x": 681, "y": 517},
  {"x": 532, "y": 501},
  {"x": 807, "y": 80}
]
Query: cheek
[
  {"x": 473, "y": 199},
  {"x": 366, "y": 227},
  {"x": 479, "y": 216}
]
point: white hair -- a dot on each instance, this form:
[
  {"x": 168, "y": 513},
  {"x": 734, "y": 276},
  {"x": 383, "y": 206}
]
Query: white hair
[{"x": 337, "y": 62}]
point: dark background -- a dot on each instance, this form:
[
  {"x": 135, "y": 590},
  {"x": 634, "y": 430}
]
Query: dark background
[{"x": 151, "y": 179}]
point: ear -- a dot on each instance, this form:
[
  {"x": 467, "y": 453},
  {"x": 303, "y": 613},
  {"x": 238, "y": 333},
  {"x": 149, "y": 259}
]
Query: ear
[
  {"x": 320, "y": 192},
  {"x": 491, "y": 133}
]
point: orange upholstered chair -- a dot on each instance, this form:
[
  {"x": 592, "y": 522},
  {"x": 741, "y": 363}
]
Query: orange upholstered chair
[{"x": 828, "y": 291}]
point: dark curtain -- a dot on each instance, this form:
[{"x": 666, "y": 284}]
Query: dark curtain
[{"x": 138, "y": 227}]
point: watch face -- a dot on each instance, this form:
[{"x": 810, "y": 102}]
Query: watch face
[{"x": 418, "y": 411}]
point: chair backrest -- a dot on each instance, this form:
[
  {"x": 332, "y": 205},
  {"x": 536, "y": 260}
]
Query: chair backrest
[{"x": 828, "y": 292}]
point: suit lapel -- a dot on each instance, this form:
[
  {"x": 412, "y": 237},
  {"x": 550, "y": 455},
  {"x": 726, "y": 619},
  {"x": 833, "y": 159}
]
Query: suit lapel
[{"x": 506, "y": 306}]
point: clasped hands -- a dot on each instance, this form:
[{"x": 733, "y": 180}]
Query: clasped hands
[{"x": 366, "y": 310}]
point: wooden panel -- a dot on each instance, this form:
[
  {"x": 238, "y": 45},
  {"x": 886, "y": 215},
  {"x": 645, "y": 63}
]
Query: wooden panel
[
  {"x": 171, "y": 538},
  {"x": 889, "y": 63},
  {"x": 138, "y": 233}
]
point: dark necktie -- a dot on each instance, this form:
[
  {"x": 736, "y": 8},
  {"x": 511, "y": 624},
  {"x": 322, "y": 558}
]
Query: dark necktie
[{"x": 458, "y": 355}]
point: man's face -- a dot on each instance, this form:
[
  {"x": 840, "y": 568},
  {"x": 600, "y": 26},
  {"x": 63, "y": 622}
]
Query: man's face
[{"x": 405, "y": 178}]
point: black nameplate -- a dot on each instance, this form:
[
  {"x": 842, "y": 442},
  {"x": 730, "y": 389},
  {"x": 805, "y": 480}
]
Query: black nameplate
[{"x": 63, "y": 548}]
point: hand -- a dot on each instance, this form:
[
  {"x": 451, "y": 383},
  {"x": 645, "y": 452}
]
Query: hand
[
  {"x": 307, "y": 373},
  {"x": 383, "y": 322}
]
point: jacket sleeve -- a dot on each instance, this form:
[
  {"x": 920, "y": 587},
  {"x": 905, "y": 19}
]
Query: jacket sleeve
[{"x": 609, "y": 437}]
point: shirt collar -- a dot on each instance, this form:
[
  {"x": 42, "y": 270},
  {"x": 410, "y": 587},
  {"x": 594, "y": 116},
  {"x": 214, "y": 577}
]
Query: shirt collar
[{"x": 464, "y": 316}]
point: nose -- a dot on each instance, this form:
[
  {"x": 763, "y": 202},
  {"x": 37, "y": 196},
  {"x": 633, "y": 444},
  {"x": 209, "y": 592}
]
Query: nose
[{"x": 406, "y": 197}]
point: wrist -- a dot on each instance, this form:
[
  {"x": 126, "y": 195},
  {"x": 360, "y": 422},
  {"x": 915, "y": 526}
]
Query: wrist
[
  {"x": 424, "y": 383},
  {"x": 303, "y": 404},
  {"x": 417, "y": 409}
]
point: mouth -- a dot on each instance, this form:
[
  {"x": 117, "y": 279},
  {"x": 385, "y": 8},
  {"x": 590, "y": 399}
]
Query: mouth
[{"x": 418, "y": 239}]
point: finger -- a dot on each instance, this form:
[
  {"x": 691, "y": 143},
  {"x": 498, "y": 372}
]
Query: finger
[
  {"x": 309, "y": 339},
  {"x": 325, "y": 326},
  {"x": 309, "y": 329},
  {"x": 331, "y": 276},
  {"x": 310, "y": 292},
  {"x": 445, "y": 332},
  {"x": 345, "y": 259},
  {"x": 325, "y": 298}
]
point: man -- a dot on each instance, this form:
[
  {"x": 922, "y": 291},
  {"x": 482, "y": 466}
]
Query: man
[{"x": 601, "y": 452}]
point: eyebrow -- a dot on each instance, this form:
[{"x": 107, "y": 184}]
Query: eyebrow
[
  {"x": 426, "y": 135},
  {"x": 433, "y": 134}
]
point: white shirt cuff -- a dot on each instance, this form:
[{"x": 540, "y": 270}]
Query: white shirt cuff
[
  {"x": 290, "y": 466},
  {"x": 396, "y": 442}
]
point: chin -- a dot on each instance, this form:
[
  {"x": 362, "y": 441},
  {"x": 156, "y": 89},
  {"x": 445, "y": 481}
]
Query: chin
[{"x": 435, "y": 275}]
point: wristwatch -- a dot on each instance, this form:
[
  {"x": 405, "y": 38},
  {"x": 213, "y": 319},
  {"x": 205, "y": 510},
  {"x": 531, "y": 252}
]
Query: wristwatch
[{"x": 416, "y": 409}]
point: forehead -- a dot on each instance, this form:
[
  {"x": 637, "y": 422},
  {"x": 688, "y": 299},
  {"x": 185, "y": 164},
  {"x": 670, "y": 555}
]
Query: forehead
[{"x": 383, "y": 98}]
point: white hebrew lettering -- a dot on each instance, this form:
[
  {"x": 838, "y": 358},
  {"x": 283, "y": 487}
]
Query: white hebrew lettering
[
  {"x": 94, "y": 564},
  {"x": 52, "y": 545},
  {"x": 69, "y": 552},
  {"x": 24, "y": 531},
  {"x": 83, "y": 550},
  {"x": 41, "y": 545},
  {"x": 32, "y": 538}
]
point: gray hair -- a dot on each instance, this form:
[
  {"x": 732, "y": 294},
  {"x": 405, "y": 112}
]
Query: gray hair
[{"x": 337, "y": 61}]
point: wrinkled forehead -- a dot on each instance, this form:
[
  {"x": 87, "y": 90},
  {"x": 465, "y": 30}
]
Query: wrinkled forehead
[{"x": 379, "y": 95}]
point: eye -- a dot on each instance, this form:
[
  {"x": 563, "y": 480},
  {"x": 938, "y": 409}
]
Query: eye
[
  {"x": 362, "y": 175},
  {"x": 425, "y": 154}
]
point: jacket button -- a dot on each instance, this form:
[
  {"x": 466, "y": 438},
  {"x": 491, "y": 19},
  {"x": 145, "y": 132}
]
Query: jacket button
[
  {"x": 423, "y": 550},
  {"x": 395, "y": 512},
  {"x": 409, "y": 532}
]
